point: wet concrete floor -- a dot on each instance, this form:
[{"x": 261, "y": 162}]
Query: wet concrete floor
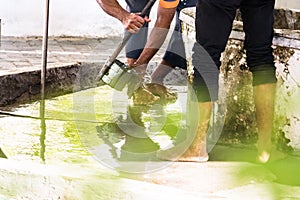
[
  {"x": 70, "y": 142},
  {"x": 67, "y": 141}
]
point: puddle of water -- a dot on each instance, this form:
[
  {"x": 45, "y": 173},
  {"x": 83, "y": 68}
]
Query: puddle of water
[
  {"x": 129, "y": 133},
  {"x": 23, "y": 137},
  {"x": 70, "y": 126}
]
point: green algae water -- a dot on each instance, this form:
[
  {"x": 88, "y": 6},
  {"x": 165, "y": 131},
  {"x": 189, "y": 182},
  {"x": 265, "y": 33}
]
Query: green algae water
[
  {"x": 127, "y": 136},
  {"x": 21, "y": 136},
  {"x": 89, "y": 125},
  {"x": 73, "y": 124}
]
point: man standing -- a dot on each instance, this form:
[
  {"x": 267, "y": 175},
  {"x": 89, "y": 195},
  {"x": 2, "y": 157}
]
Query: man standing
[{"x": 214, "y": 20}]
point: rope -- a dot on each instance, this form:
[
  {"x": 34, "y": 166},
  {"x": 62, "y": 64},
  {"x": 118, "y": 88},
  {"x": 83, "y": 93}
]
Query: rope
[{"x": 46, "y": 118}]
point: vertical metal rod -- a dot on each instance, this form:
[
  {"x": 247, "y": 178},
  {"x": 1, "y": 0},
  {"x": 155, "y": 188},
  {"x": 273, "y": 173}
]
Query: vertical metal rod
[
  {"x": 44, "y": 49},
  {"x": 0, "y": 32},
  {"x": 43, "y": 80},
  {"x": 42, "y": 139}
]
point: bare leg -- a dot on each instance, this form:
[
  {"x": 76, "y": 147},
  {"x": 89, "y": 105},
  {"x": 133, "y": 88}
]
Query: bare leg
[
  {"x": 160, "y": 72},
  {"x": 131, "y": 61},
  {"x": 197, "y": 150},
  {"x": 140, "y": 69},
  {"x": 264, "y": 96}
]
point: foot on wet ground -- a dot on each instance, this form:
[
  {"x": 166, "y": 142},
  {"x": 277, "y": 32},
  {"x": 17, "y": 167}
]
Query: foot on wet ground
[
  {"x": 270, "y": 156},
  {"x": 190, "y": 155},
  {"x": 194, "y": 159}
]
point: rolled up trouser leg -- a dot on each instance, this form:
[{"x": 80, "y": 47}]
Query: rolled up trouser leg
[
  {"x": 206, "y": 75},
  {"x": 213, "y": 26},
  {"x": 258, "y": 39},
  {"x": 263, "y": 74},
  {"x": 175, "y": 54}
]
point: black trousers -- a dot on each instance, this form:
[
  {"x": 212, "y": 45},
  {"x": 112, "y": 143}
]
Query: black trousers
[
  {"x": 136, "y": 43},
  {"x": 214, "y": 20}
]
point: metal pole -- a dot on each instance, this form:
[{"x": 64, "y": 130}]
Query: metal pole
[
  {"x": 0, "y": 32},
  {"x": 43, "y": 80},
  {"x": 44, "y": 50}
]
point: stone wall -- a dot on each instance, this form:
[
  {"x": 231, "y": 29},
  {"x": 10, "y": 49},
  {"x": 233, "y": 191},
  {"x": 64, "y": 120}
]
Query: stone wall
[{"x": 25, "y": 87}]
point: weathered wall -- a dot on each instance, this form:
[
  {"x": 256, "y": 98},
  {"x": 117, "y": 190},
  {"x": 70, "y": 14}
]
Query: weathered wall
[
  {"x": 240, "y": 124},
  {"x": 24, "y": 87}
]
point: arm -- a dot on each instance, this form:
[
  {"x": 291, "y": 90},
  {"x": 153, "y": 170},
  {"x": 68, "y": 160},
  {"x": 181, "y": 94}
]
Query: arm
[
  {"x": 132, "y": 22},
  {"x": 157, "y": 35}
]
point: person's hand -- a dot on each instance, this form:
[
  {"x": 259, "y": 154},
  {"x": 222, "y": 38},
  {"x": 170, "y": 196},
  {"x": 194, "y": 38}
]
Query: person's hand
[
  {"x": 139, "y": 69},
  {"x": 133, "y": 22}
]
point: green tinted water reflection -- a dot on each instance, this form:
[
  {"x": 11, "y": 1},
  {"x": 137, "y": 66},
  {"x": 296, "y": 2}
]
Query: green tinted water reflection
[
  {"x": 65, "y": 122},
  {"x": 21, "y": 136}
]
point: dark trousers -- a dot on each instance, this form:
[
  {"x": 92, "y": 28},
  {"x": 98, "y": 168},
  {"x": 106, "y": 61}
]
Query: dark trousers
[
  {"x": 175, "y": 54},
  {"x": 136, "y": 43},
  {"x": 214, "y": 20}
]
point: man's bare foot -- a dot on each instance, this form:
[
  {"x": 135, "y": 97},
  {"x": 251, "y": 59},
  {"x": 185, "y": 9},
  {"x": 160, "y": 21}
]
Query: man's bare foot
[
  {"x": 195, "y": 150},
  {"x": 190, "y": 155},
  {"x": 184, "y": 158},
  {"x": 193, "y": 159},
  {"x": 190, "y": 158},
  {"x": 173, "y": 153},
  {"x": 272, "y": 155},
  {"x": 194, "y": 155}
]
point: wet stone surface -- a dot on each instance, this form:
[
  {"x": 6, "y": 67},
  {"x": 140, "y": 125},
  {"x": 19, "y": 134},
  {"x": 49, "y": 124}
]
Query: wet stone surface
[
  {"x": 73, "y": 169},
  {"x": 24, "y": 87}
]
